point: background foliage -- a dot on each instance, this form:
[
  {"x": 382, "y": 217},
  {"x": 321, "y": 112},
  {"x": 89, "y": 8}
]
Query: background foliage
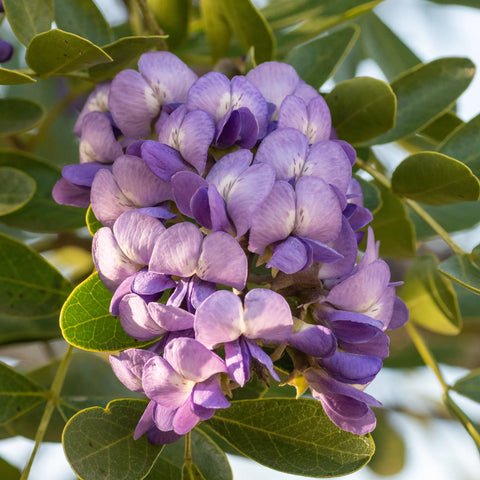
[{"x": 418, "y": 204}]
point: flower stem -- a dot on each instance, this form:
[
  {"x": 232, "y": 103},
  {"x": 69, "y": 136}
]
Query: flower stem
[
  {"x": 188, "y": 449},
  {"x": 150, "y": 21},
  {"x": 53, "y": 396}
]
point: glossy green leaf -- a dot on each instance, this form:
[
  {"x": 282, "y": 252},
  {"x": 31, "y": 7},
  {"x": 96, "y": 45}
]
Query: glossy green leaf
[
  {"x": 317, "y": 60},
  {"x": 18, "y": 394},
  {"x": 392, "y": 227},
  {"x": 83, "y": 18},
  {"x": 462, "y": 270},
  {"x": 86, "y": 322},
  {"x": 384, "y": 46},
  {"x": 469, "y": 386},
  {"x": 18, "y": 189},
  {"x": 172, "y": 16},
  {"x": 92, "y": 223},
  {"x": 124, "y": 52},
  {"x": 430, "y": 298},
  {"x": 7, "y": 471},
  {"x": 42, "y": 213},
  {"x": 361, "y": 108},
  {"x": 251, "y": 28},
  {"x": 12, "y": 77},
  {"x": 30, "y": 288},
  {"x": 191, "y": 472},
  {"x": 217, "y": 27},
  {"x": 425, "y": 92},
  {"x": 99, "y": 443},
  {"x": 293, "y": 436},
  {"x": 57, "y": 52},
  {"x": 464, "y": 144},
  {"x": 209, "y": 460},
  {"x": 18, "y": 114},
  {"x": 435, "y": 179},
  {"x": 29, "y": 17},
  {"x": 441, "y": 128}
]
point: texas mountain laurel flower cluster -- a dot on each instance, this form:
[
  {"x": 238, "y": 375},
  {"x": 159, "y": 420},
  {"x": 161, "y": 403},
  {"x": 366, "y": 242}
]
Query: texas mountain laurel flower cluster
[{"x": 230, "y": 241}]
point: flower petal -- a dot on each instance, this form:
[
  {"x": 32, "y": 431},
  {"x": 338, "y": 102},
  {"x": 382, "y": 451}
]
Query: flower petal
[
  {"x": 83, "y": 173},
  {"x": 185, "y": 418},
  {"x": 184, "y": 186},
  {"x": 400, "y": 314},
  {"x": 261, "y": 357},
  {"x": 67, "y": 193},
  {"x": 237, "y": 359},
  {"x": 169, "y": 317},
  {"x": 290, "y": 256},
  {"x": 209, "y": 394},
  {"x": 351, "y": 368},
  {"x": 163, "y": 160},
  {"x": 315, "y": 340}
]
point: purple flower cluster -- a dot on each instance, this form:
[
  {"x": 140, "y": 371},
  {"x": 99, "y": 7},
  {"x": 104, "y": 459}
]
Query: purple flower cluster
[{"x": 231, "y": 231}]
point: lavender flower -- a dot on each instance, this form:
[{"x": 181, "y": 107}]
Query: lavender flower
[{"x": 6, "y": 51}]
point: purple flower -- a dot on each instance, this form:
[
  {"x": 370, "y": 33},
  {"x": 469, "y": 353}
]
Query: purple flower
[
  {"x": 135, "y": 98},
  {"x": 97, "y": 101},
  {"x": 184, "y": 384},
  {"x": 237, "y": 107},
  {"x": 222, "y": 318},
  {"x": 6, "y": 51}
]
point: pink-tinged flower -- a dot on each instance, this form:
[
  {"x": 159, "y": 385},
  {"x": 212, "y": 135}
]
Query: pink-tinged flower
[
  {"x": 135, "y": 98},
  {"x": 222, "y": 318},
  {"x": 237, "y": 107}
]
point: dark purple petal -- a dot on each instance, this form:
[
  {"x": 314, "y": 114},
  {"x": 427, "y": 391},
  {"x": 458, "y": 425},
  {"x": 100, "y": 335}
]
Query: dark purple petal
[
  {"x": 353, "y": 332},
  {"x": 315, "y": 340},
  {"x": 349, "y": 150},
  {"x": 6, "y": 51},
  {"x": 222, "y": 260},
  {"x": 237, "y": 359},
  {"x": 163, "y": 161},
  {"x": 351, "y": 368},
  {"x": 248, "y": 135},
  {"x": 123, "y": 289},
  {"x": 209, "y": 394},
  {"x": 323, "y": 253},
  {"x": 377, "y": 346},
  {"x": 133, "y": 104},
  {"x": 261, "y": 357},
  {"x": 218, "y": 221},
  {"x": 228, "y": 129},
  {"x": 290, "y": 256},
  {"x": 200, "y": 206},
  {"x": 146, "y": 421},
  {"x": 83, "y": 174},
  {"x": 167, "y": 75},
  {"x": 198, "y": 291},
  {"x": 157, "y": 212},
  {"x": 203, "y": 413},
  {"x": 400, "y": 314},
  {"x": 157, "y": 437},
  {"x": 184, "y": 185},
  {"x": 67, "y": 193}
]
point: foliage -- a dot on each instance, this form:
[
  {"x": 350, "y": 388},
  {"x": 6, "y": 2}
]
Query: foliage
[{"x": 431, "y": 194}]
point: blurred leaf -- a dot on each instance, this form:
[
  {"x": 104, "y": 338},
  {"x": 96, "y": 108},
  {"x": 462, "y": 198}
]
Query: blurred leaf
[
  {"x": 86, "y": 322},
  {"x": 18, "y": 114},
  {"x": 92, "y": 223},
  {"x": 83, "y": 18},
  {"x": 425, "y": 92},
  {"x": 18, "y": 394},
  {"x": 217, "y": 27},
  {"x": 18, "y": 189},
  {"x": 392, "y": 227},
  {"x": 124, "y": 53},
  {"x": 8, "y": 472},
  {"x": 382, "y": 45},
  {"x": 251, "y": 28},
  {"x": 430, "y": 298},
  {"x": 29, "y": 17},
  {"x": 441, "y": 128},
  {"x": 464, "y": 144},
  {"x": 99, "y": 443},
  {"x": 191, "y": 472},
  {"x": 389, "y": 456},
  {"x": 12, "y": 77},
  {"x": 469, "y": 386},
  {"x": 172, "y": 16},
  {"x": 361, "y": 108},
  {"x": 317, "y": 60},
  {"x": 467, "y": 3},
  {"x": 306, "y": 443},
  {"x": 30, "y": 288},
  {"x": 57, "y": 52},
  {"x": 210, "y": 461},
  {"x": 42, "y": 213},
  {"x": 435, "y": 179},
  {"x": 461, "y": 269},
  {"x": 254, "y": 388}
]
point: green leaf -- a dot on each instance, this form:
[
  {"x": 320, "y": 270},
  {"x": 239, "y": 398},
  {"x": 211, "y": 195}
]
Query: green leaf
[
  {"x": 99, "y": 443},
  {"x": 30, "y": 288},
  {"x": 8, "y": 472},
  {"x": 466, "y": 3},
  {"x": 464, "y": 144},
  {"x": 191, "y": 472},
  {"x": 430, "y": 298},
  {"x": 93, "y": 224},
  {"x": 18, "y": 394},
  {"x": 29, "y": 17},
  {"x": 18, "y": 115},
  {"x": 83, "y": 18},
  {"x": 435, "y": 179},
  {"x": 293, "y": 436},
  {"x": 86, "y": 322},
  {"x": 361, "y": 108},
  {"x": 172, "y": 16},
  {"x": 12, "y": 77},
  {"x": 393, "y": 227},
  {"x": 425, "y": 92},
  {"x": 462, "y": 270},
  {"x": 42, "y": 213},
  {"x": 124, "y": 53},
  {"x": 317, "y": 60},
  {"x": 18, "y": 189},
  {"x": 217, "y": 27},
  {"x": 57, "y": 52},
  {"x": 251, "y": 28},
  {"x": 209, "y": 460},
  {"x": 469, "y": 386},
  {"x": 441, "y": 128}
]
